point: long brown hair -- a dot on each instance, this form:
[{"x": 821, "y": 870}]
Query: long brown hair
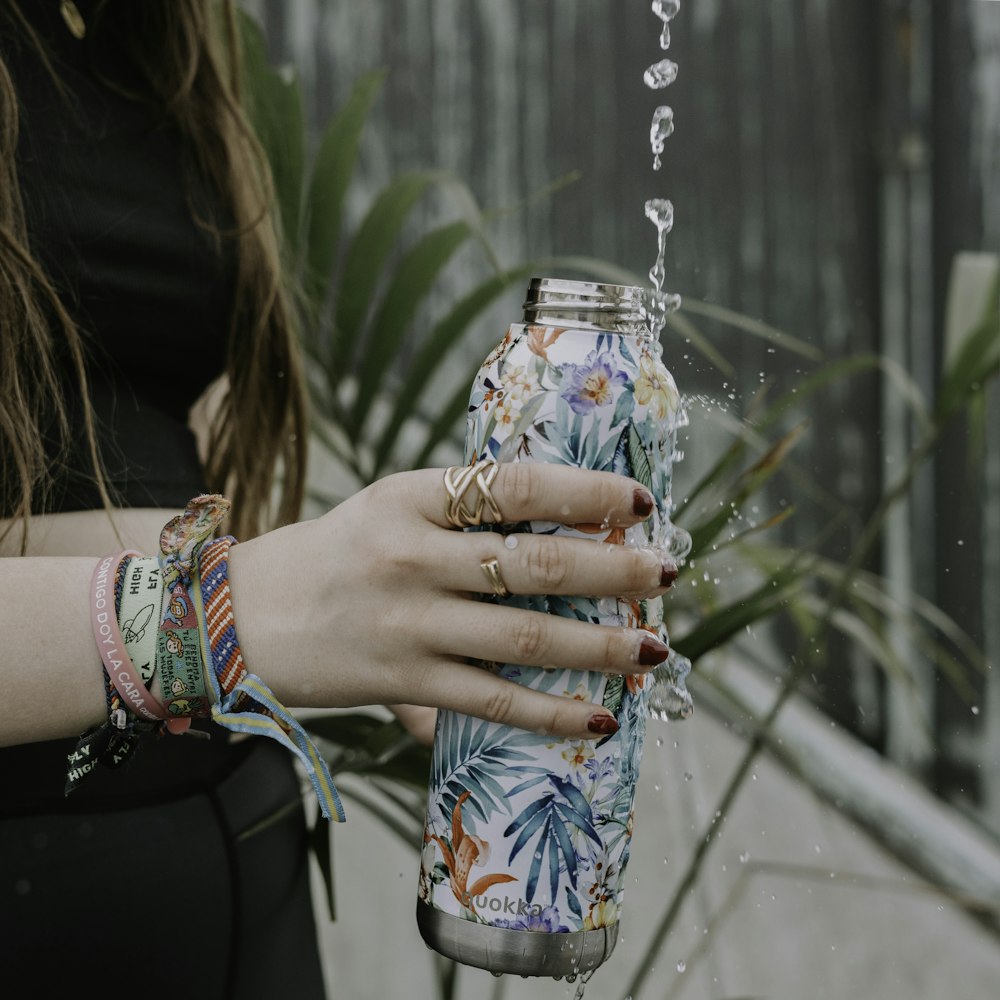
[{"x": 188, "y": 53}]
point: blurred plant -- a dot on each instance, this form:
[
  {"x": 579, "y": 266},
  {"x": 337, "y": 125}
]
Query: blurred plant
[
  {"x": 819, "y": 594},
  {"x": 363, "y": 292}
]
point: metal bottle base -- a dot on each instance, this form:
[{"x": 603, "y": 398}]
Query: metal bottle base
[{"x": 522, "y": 953}]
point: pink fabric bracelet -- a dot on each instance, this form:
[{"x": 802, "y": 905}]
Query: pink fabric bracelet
[{"x": 110, "y": 644}]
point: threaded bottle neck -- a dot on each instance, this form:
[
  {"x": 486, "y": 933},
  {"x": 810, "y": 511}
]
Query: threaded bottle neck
[{"x": 586, "y": 305}]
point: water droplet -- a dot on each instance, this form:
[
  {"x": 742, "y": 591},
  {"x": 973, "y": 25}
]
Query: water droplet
[
  {"x": 660, "y": 211},
  {"x": 660, "y": 74},
  {"x": 665, "y": 10},
  {"x": 681, "y": 965},
  {"x": 688, "y": 775},
  {"x": 975, "y": 710},
  {"x": 496, "y": 975},
  {"x": 660, "y": 130},
  {"x": 744, "y": 857}
]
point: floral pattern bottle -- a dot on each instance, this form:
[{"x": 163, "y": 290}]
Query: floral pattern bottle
[{"x": 527, "y": 837}]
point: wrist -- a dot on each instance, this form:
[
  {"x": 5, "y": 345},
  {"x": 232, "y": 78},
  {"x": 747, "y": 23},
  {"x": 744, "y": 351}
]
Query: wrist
[{"x": 268, "y": 582}]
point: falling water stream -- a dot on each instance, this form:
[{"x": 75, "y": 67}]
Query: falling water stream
[
  {"x": 660, "y": 211},
  {"x": 669, "y": 698}
]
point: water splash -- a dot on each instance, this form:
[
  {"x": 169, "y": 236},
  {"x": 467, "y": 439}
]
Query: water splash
[{"x": 670, "y": 698}]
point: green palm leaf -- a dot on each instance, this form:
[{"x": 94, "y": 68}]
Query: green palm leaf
[
  {"x": 718, "y": 628},
  {"x": 976, "y": 363},
  {"x": 747, "y": 484},
  {"x": 445, "y": 335},
  {"x": 275, "y": 111},
  {"x": 366, "y": 257},
  {"x": 444, "y": 424},
  {"x": 413, "y": 281},
  {"x": 331, "y": 175}
]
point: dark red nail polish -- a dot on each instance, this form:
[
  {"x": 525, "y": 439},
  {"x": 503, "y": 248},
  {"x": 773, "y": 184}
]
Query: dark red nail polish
[
  {"x": 668, "y": 573},
  {"x": 602, "y": 723},
  {"x": 642, "y": 502},
  {"x": 652, "y": 651}
]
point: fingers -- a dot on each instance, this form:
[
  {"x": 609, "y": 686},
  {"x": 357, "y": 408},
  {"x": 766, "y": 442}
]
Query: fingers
[
  {"x": 513, "y": 635},
  {"x": 544, "y": 564},
  {"x": 526, "y": 491},
  {"x": 471, "y": 690},
  {"x": 418, "y": 720}
]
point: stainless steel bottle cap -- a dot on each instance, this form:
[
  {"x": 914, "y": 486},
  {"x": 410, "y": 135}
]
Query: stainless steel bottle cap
[{"x": 587, "y": 305}]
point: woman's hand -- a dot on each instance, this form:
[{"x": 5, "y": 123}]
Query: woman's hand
[{"x": 373, "y": 603}]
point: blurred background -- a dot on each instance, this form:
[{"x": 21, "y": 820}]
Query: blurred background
[{"x": 835, "y": 174}]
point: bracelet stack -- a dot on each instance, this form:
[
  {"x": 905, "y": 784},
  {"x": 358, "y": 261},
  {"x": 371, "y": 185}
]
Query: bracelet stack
[{"x": 172, "y": 616}]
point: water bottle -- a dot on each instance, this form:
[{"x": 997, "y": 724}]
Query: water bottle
[{"x": 527, "y": 836}]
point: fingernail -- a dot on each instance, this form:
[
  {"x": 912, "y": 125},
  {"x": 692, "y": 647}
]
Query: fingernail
[
  {"x": 652, "y": 651},
  {"x": 642, "y": 502},
  {"x": 601, "y": 722},
  {"x": 668, "y": 573}
]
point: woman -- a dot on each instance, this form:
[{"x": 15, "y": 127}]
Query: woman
[{"x": 148, "y": 354}]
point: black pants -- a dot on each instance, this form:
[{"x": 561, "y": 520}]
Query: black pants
[{"x": 206, "y": 896}]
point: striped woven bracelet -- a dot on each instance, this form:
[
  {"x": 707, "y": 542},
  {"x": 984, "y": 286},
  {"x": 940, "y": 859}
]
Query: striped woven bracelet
[{"x": 242, "y": 702}]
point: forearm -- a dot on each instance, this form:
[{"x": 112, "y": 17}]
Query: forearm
[{"x": 50, "y": 670}]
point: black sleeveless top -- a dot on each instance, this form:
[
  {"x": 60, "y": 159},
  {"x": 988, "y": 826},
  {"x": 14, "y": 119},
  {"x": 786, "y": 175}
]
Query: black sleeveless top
[
  {"x": 110, "y": 215},
  {"x": 108, "y": 208}
]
